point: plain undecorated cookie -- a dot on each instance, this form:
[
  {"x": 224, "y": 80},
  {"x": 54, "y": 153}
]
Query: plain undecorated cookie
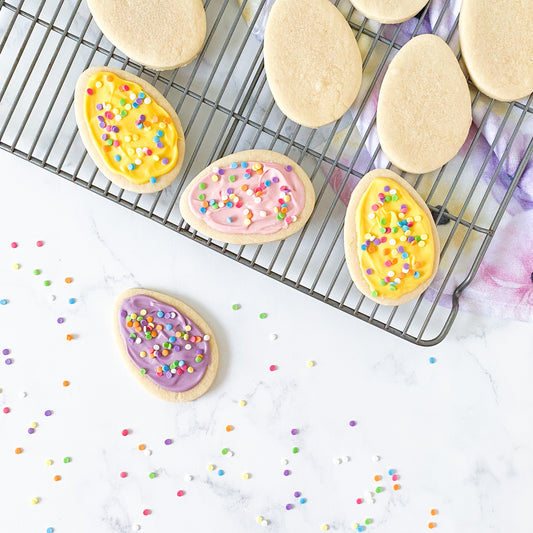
[
  {"x": 312, "y": 61},
  {"x": 391, "y": 248},
  {"x": 151, "y": 303},
  {"x": 497, "y": 46},
  {"x": 160, "y": 34},
  {"x": 96, "y": 151},
  {"x": 389, "y": 11},
  {"x": 250, "y": 197},
  {"x": 424, "y": 109}
]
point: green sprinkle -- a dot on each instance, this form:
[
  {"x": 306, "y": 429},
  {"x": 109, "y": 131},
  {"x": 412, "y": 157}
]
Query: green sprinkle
[
  {"x": 109, "y": 142},
  {"x": 395, "y": 229},
  {"x": 417, "y": 238},
  {"x": 123, "y": 113},
  {"x": 122, "y": 101},
  {"x": 374, "y": 293},
  {"x": 393, "y": 287},
  {"x": 263, "y": 315},
  {"x": 232, "y": 178},
  {"x": 383, "y": 221},
  {"x": 379, "y": 489},
  {"x": 67, "y": 460},
  {"x": 148, "y": 336},
  {"x": 198, "y": 359},
  {"x": 388, "y": 198},
  {"x": 143, "y": 371},
  {"x": 382, "y": 230},
  {"x": 133, "y": 336},
  {"x": 202, "y": 186},
  {"x": 295, "y": 450},
  {"x": 152, "y": 475},
  {"x": 36, "y": 271},
  {"x": 47, "y": 283},
  {"x": 236, "y": 307},
  {"x": 382, "y": 282},
  {"x": 215, "y": 206},
  {"x": 224, "y": 451},
  {"x": 395, "y": 197},
  {"x": 201, "y": 197},
  {"x": 368, "y": 521}
]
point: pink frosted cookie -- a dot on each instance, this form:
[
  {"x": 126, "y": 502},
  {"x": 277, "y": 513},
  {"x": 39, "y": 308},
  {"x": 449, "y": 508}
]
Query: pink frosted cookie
[
  {"x": 250, "y": 197},
  {"x": 167, "y": 345}
]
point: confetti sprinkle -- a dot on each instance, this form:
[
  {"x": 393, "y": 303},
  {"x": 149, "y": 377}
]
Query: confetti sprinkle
[
  {"x": 242, "y": 403},
  {"x": 168, "y": 441},
  {"x": 147, "y": 512},
  {"x": 18, "y": 451},
  {"x": 432, "y": 360},
  {"x": 123, "y": 474},
  {"x": 229, "y": 428},
  {"x": 72, "y": 300},
  {"x": 262, "y": 315},
  {"x": 272, "y": 368},
  {"x": 180, "y": 493},
  {"x": 286, "y": 472},
  {"x": 66, "y": 383},
  {"x": 36, "y": 272},
  {"x": 311, "y": 364},
  {"x": 246, "y": 475},
  {"x": 3, "y": 301},
  {"x": 433, "y": 512},
  {"x": 68, "y": 280},
  {"x": 67, "y": 460},
  {"x": 14, "y": 245},
  {"x": 125, "y": 432},
  {"x": 236, "y": 307},
  {"x": 39, "y": 244},
  {"x": 352, "y": 423}
]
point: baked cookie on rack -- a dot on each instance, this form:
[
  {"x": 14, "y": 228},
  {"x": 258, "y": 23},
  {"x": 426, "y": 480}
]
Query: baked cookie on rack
[
  {"x": 251, "y": 197},
  {"x": 159, "y": 34},
  {"x": 168, "y": 346},
  {"x": 129, "y": 129},
  {"x": 389, "y": 11},
  {"x": 391, "y": 242}
]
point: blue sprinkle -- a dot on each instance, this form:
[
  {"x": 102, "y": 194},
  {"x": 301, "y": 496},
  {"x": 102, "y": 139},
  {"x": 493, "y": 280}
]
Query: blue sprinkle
[
  {"x": 72, "y": 300},
  {"x": 432, "y": 360},
  {"x": 234, "y": 165},
  {"x": 303, "y": 500},
  {"x": 229, "y": 220},
  {"x": 153, "y": 180},
  {"x": 416, "y": 275},
  {"x": 203, "y": 210},
  {"x": 135, "y": 105},
  {"x": 160, "y": 314},
  {"x": 391, "y": 472},
  {"x": 360, "y": 528},
  {"x": 244, "y": 164},
  {"x": 50, "y": 530},
  {"x": 140, "y": 126},
  {"x": 168, "y": 326},
  {"x": 405, "y": 255},
  {"x": 117, "y": 158},
  {"x": 229, "y": 204},
  {"x": 3, "y": 302},
  {"x": 141, "y": 95},
  {"x": 363, "y": 246},
  {"x": 159, "y": 133},
  {"x": 156, "y": 139},
  {"x": 220, "y": 472},
  {"x": 268, "y": 183},
  {"x": 172, "y": 339},
  {"x": 166, "y": 368},
  {"x": 181, "y": 363},
  {"x": 131, "y": 166},
  {"x": 247, "y": 176}
]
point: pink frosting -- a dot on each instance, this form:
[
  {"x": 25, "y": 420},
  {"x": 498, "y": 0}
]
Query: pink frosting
[{"x": 274, "y": 195}]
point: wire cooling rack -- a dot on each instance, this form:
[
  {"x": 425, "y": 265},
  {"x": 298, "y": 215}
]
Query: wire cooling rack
[{"x": 225, "y": 105}]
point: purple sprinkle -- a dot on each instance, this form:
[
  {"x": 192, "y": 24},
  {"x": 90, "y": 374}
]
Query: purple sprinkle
[
  {"x": 99, "y": 107},
  {"x": 8, "y": 361},
  {"x": 367, "y": 242},
  {"x": 123, "y": 313},
  {"x": 403, "y": 206},
  {"x": 60, "y": 320},
  {"x": 352, "y": 423},
  {"x": 31, "y": 431},
  {"x": 140, "y": 101},
  {"x": 275, "y": 179},
  {"x": 294, "y": 432},
  {"x": 115, "y": 129},
  {"x": 104, "y": 136},
  {"x": 164, "y": 160},
  {"x": 410, "y": 239},
  {"x": 400, "y": 249},
  {"x": 229, "y": 191},
  {"x": 131, "y": 340},
  {"x": 100, "y": 118},
  {"x": 199, "y": 352},
  {"x": 142, "y": 118},
  {"x": 177, "y": 348},
  {"x": 286, "y": 472},
  {"x": 47, "y": 412},
  {"x": 143, "y": 322},
  {"x": 288, "y": 168},
  {"x": 406, "y": 265},
  {"x": 5, "y": 351},
  {"x": 289, "y": 506},
  {"x": 297, "y": 494},
  {"x": 168, "y": 441},
  {"x": 221, "y": 171},
  {"x": 167, "y": 315},
  {"x": 160, "y": 144},
  {"x": 377, "y": 242},
  {"x": 168, "y": 374},
  {"x": 369, "y": 271},
  {"x": 386, "y": 188},
  {"x": 102, "y": 125}
]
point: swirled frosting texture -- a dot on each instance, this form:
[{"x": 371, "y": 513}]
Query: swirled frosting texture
[
  {"x": 134, "y": 135},
  {"x": 164, "y": 344},
  {"x": 395, "y": 247},
  {"x": 248, "y": 197}
]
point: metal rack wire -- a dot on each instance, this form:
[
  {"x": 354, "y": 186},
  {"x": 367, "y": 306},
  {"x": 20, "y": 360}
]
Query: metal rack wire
[{"x": 225, "y": 105}]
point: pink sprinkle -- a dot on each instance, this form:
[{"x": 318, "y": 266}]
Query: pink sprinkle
[
  {"x": 39, "y": 244},
  {"x": 395, "y": 477},
  {"x": 146, "y": 512},
  {"x": 238, "y": 204},
  {"x": 387, "y": 279},
  {"x": 126, "y": 87},
  {"x": 123, "y": 474},
  {"x": 148, "y": 152},
  {"x": 383, "y": 239},
  {"x": 388, "y": 263},
  {"x": 14, "y": 245},
  {"x": 180, "y": 493},
  {"x": 6, "y": 410},
  {"x": 116, "y": 143},
  {"x": 375, "y": 207},
  {"x": 90, "y": 91},
  {"x": 359, "y": 501},
  {"x": 125, "y": 432},
  {"x": 272, "y": 368}
]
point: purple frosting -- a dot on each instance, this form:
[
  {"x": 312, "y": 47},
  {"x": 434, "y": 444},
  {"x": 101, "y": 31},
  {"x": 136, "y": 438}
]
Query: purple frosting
[{"x": 182, "y": 352}]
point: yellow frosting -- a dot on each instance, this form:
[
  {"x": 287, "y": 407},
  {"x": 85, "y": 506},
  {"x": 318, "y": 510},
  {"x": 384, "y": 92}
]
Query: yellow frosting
[
  {"x": 132, "y": 151},
  {"x": 404, "y": 257}
]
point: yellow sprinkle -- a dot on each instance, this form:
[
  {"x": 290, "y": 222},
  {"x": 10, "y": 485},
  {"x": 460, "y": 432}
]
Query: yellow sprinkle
[
  {"x": 156, "y": 157},
  {"x": 259, "y": 519},
  {"x": 325, "y": 527},
  {"x": 242, "y": 403},
  {"x": 394, "y": 252},
  {"x": 418, "y": 218},
  {"x": 355, "y": 525},
  {"x": 310, "y": 364},
  {"x": 424, "y": 237},
  {"x": 162, "y": 125},
  {"x": 247, "y": 221},
  {"x": 190, "y": 369},
  {"x": 143, "y": 354},
  {"x": 143, "y": 312},
  {"x": 210, "y": 467},
  {"x": 127, "y": 138},
  {"x": 408, "y": 232},
  {"x": 34, "y": 501},
  {"x": 246, "y": 476},
  {"x": 401, "y": 215},
  {"x": 33, "y": 425},
  {"x": 130, "y": 151},
  {"x": 187, "y": 328},
  {"x": 135, "y": 137},
  {"x": 422, "y": 244},
  {"x": 98, "y": 84},
  {"x": 16, "y": 266},
  {"x": 403, "y": 238},
  {"x": 214, "y": 177},
  {"x": 49, "y": 462},
  {"x": 133, "y": 316}
]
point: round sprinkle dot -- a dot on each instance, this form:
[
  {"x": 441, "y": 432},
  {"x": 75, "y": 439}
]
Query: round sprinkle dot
[
  {"x": 286, "y": 472},
  {"x": 210, "y": 467},
  {"x": 47, "y": 283},
  {"x": 284, "y": 462},
  {"x": 50, "y": 530},
  {"x": 135, "y": 527},
  {"x": 379, "y": 489},
  {"x": 391, "y": 472},
  {"x": 152, "y": 475},
  {"x": 220, "y": 472},
  {"x": 359, "y": 501},
  {"x": 49, "y": 462},
  {"x": 352, "y": 423},
  {"x": 433, "y": 512},
  {"x": 18, "y": 451},
  {"x": 180, "y": 493},
  {"x": 377, "y": 478},
  {"x": 259, "y": 519},
  {"x": 324, "y": 527},
  {"x": 14, "y": 245},
  {"x": 34, "y": 501},
  {"x": 141, "y": 447},
  {"x": 368, "y": 521},
  {"x": 125, "y": 432},
  {"x": 60, "y": 320},
  {"x": 289, "y": 506},
  {"x": 295, "y": 450},
  {"x": 242, "y": 403},
  {"x": 396, "y": 487},
  {"x": 147, "y": 512},
  {"x": 68, "y": 280},
  {"x": 72, "y": 300},
  {"x": 8, "y": 361},
  {"x": 263, "y": 315},
  {"x": 294, "y": 431},
  {"x": 188, "y": 477},
  {"x": 57, "y": 478},
  {"x": 16, "y": 266},
  {"x": 273, "y": 337},
  {"x": 272, "y": 368},
  {"x": 376, "y": 458},
  {"x": 432, "y": 360},
  {"x": 36, "y": 272},
  {"x": 3, "y": 301},
  {"x": 337, "y": 461},
  {"x": 310, "y": 364},
  {"x": 6, "y": 410},
  {"x": 67, "y": 460},
  {"x": 246, "y": 475},
  {"x": 236, "y": 307},
  {"x": 431, "y": 525},
  {"x": 123, "y": 474},
  {"x": 5, "y": 351},
  {"x": 39, "y": 244},
  {"x": 168, "y": 441}
]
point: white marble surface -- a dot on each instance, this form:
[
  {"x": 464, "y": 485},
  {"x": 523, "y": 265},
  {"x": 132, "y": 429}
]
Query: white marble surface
[{"x": 458, "y": 432}]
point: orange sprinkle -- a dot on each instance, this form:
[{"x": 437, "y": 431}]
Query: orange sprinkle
[
  {"x": 205, "y": 204},
  {"x": 401, "y": 275},
  {"x": 433, "y": 512},
  {"x": 129, "y": 324},
  {"x": 57, "y": 478},
  {"x": 396, "y": 487},
  {"x": 159, "y": 327},
  {"x": 160, "y": 369},
  {"x": 259, "y": 171},
  {"x": 68, "y": 280},
  {"x": 150, "y": 319},
  {"x": 229, "y": 428},
  {"x": 249, "y": 215},
  {"x": 167, "y": 120},
  {"x": 136, "y": 323},
  {"x": 66, "y": 383},
  {"x": 164, "y": 352},
  {"x": 284, "y": 209},
  {"x": 141, "y": 447},
  {"x": 69, "y": 337},
  {"x": 106, "y": 148},
  {"x": 152, "y": 356},
  {"x": 109, "y": 77},
  {"x": 18, "y": 450},
  {"x": 155, "y": 119},
  {"x": 431, "y": 525},
  {"x": 417, "y": 264},
  {"x": 377, "y": 478},
  {"x": 394, "y": 261},
  {"x": 386, "y": 251},
  {"x": 244, "y": 187},
  {"x": 138, "y": 329}
]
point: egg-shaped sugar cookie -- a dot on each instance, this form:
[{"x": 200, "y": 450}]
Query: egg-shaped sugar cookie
[
  {"x": 390, "y": 239},
  {"x": 497, "y": 46},
  {"x": 424, "y": 110},
  {"x": 389, "y": 11},
  {"x": 251, "y": 197},
  {"x": 168, "y": 346},
  {"x": 129, "y": 129},
  {"x": 312, "y": 61},
  {"x": 159, "y": 34}
]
